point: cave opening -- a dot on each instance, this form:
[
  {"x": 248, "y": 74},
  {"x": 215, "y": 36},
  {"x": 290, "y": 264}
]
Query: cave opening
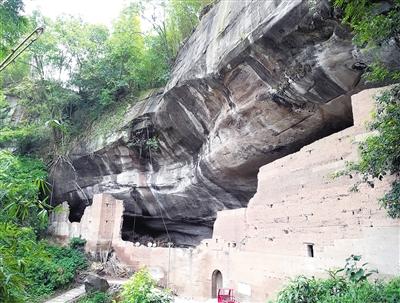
[
  {"x": 135, "y": 228},
  {"x": 143, "y": 230},
  {"x": 160, "y": 231},
  {"x": 76, "y": 211}
]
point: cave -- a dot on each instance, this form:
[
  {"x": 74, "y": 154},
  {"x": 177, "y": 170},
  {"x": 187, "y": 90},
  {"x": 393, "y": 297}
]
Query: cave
[
  {"x": 161, "y": 231},
  {"x": 76, "y": 211}
]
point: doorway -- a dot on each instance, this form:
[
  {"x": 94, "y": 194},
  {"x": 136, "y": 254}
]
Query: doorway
[{"x": 216, "y": 283}]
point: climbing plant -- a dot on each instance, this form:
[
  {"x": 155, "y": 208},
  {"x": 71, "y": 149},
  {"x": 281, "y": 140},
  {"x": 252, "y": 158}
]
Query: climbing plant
[
  {"x": 380, "y": 153},
  {"x": 376, "y": 25}
]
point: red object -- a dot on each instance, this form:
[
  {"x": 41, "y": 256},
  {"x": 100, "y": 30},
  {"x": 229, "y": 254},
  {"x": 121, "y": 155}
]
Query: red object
[{"x": 225, "y": 295}]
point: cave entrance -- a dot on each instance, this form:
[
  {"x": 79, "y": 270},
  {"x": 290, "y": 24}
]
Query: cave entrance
[
  {"x": 76, "y": 211},
  {"x": 216, "y": 283},
  {"x": 143, "y": 230}
]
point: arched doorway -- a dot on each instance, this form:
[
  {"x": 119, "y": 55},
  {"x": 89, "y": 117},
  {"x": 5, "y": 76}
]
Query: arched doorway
[{"x": 216, "y": 283}]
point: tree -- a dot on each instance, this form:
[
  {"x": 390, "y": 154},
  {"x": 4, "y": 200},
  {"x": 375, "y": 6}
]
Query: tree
[
  {"x": 12, "y": 24},
  {"x": 376, "y": 25}
]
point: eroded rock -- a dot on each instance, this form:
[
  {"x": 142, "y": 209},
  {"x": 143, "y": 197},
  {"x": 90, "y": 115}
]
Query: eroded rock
[
  {"x": 256, "y": 81},
  {"x": 95, "y": 283}
]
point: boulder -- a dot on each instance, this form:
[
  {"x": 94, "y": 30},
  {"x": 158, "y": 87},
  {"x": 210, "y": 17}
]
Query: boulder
[{"x": 96, "y": 283}]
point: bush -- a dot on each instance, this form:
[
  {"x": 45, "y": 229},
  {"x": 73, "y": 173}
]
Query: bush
[
  {"x": 95, "y": 297},
  {"x": 30, "y": 269},
  {"x": 142, "y": 288},
  {"x": 77, "y": 243},
  {"x": 352, "y": 287},
  {"x": 338, "y": 290},
  {"x": 18, "y": 250},
  {"x": 22, "y": 187},
  {"x": 57, "y": 271}
]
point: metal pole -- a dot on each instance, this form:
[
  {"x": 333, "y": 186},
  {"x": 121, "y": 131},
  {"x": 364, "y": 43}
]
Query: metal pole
[{"x": 21, "y": 47}]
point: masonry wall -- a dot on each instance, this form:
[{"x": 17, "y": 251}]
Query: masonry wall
[
  {"x": 97, "y": 226},
  {"x": 299, "y": 204}
]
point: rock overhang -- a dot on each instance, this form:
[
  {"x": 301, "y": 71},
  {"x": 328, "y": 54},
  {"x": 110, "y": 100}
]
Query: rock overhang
[{"x": 256, "y": 81}]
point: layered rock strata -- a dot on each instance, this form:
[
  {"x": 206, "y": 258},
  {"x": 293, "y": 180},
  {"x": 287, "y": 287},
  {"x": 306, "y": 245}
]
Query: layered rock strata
[{"x": 257, "y": 80}]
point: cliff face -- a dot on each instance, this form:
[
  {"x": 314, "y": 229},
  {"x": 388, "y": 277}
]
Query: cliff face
[{"x": 257, "y": 80}]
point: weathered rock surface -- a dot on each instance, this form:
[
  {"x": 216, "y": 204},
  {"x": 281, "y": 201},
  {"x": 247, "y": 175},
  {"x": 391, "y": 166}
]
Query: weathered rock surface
[
  {"x": 256, "y": 81},
  {"x": 95, "y": 283}
]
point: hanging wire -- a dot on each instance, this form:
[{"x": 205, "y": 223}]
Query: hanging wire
[
  {"x": 21, "y": 47},
  {"x": 134, "y": 226},
  {"x": 151, "y": 163},
  {"x": 165, "y": 226}
]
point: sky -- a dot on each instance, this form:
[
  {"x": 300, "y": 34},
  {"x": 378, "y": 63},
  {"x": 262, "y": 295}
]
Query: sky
[{"x": 91, "y": 11}]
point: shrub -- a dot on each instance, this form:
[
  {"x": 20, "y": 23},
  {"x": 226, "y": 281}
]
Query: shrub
[
  {"x": 77, "y": 243},
  {"x": 354, "y": 272},
  {"x": 352, "y": 287},
  {"x": 56, "y": 271},
  {"x": 22, "y": 187},
  {"x": 311, "y": 290},
  {"x": 18, "y": 250},
  {"x": 30, "y": 269},
  {"x": 142, "y": 288},
  {"x": 95, "y": 297}
]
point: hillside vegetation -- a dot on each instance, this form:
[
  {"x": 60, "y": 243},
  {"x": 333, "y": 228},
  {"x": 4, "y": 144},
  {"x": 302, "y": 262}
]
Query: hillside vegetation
[
  {"x": 72, "y": 75},
  {"x": 76, "y": 73}
]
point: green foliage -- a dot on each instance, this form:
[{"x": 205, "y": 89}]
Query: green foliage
[
  {"x": 311, "y": 290},
  {"x": 373, "y": 24},
  {"x": 11, "y": 24},
  {"x": 17, "y": 250},
  {"x": 152, "y": 144},
  {"x": 391, "y": 200},
  {"x": 22, "y": 190},
  {"x": 354, "y": 272},
  {"x": 76, "y": 73},
  {"x": 30, "y": 269},
  {"x": 142, "y": 288},
  {"x": 95, "y": 297},
  {"x": 380, "y": 153},
  {"x": 55, "y": 272},
  {"x": 182, "y": 19},
  {"x": 77, "y": 243},
  {"x": 353, "y": 287},
  {"x": 14, "y": 135}
]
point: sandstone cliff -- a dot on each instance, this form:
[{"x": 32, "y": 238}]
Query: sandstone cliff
[{"x": 257, "y": 80}]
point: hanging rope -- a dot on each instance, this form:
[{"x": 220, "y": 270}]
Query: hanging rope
[
  {"x": 165, "y": 226},
  {"x": 134, "y": 226}
]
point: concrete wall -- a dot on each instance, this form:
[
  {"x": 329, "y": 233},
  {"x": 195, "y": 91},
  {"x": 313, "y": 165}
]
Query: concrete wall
[{"x": 257, "y": 249}]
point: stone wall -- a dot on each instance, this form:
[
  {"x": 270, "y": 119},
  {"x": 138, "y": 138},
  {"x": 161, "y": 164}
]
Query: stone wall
[
  {"x": 98, "y": 225},
  {"x": 303, "y": 219}
]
